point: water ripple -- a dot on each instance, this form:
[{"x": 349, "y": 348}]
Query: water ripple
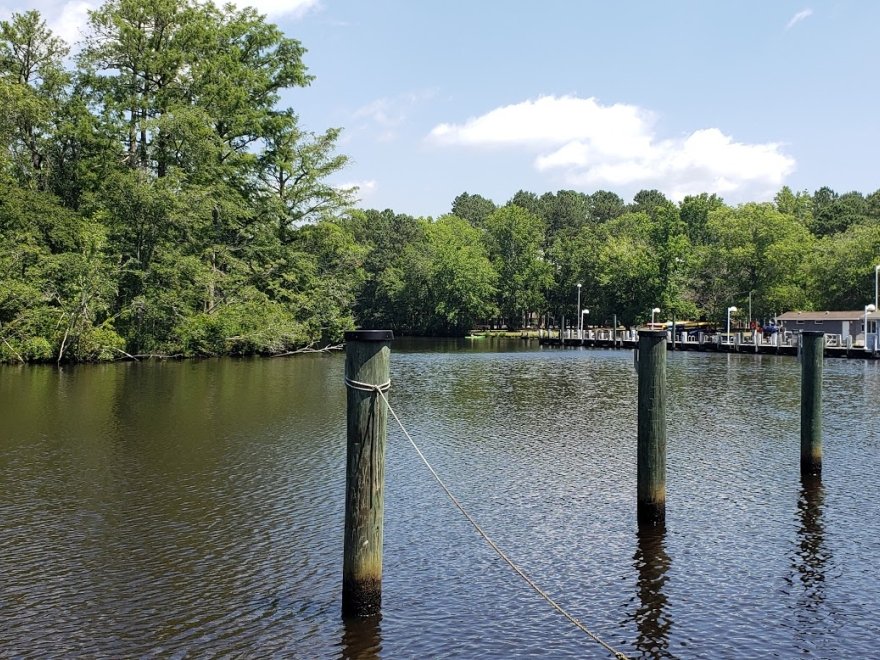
[{"x": 173, "y": 510}]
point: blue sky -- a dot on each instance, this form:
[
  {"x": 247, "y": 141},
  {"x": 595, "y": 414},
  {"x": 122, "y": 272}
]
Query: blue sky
[{"x": 442, "y": 97}]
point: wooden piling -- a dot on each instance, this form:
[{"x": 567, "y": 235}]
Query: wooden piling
[
  {"x": 651, "y": 455},
  {"x": 812, "y": 347},
  {"x": 367, "y": 362}
]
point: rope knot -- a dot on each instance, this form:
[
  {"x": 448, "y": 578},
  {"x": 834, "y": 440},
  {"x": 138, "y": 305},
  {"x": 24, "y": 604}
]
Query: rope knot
[{"x": 367, "y": 387}]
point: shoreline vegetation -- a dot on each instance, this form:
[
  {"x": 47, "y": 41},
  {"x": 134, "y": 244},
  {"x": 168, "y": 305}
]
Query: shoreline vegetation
[{"x": 157, "y": 200}]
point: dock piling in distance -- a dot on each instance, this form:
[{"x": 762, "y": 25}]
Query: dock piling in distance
[
  {"x": 367, "y": 365},
  {"x": 651, "y": 454},
  {"x": 811, "y": 354}
]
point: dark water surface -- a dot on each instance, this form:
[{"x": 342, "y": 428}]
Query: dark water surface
[{"x": 196, "y": 509}]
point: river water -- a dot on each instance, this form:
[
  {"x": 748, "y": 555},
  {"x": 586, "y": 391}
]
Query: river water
[{"x": 195, "y": 509}]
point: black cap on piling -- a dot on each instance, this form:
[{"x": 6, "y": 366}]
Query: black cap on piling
[
  {"x": 652, "y": 333},
  {"x": 369, "y": 335}
]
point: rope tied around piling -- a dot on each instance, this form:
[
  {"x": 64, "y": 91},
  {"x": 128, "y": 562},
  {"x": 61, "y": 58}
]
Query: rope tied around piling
[
  {"x": 384, "y": 387},
  {"x": 368, "y": 387}
]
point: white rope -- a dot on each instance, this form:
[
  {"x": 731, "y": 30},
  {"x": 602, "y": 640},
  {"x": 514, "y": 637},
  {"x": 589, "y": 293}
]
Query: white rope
[
  {"x": 367, "y": 387},
  {"x": 381, "y": 389}
]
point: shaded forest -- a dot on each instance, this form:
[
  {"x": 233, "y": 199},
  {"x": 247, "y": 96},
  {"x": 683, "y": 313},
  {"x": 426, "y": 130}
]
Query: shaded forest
[{"x": 156, "y": 200}]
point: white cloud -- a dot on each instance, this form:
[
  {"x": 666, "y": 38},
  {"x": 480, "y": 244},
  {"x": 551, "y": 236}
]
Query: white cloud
[
  {"x": 363, "y": 189},
  {"x": 276, "y": 8},
  {"x": 797, "y": 18},
  {"x": 68, "y": 18},
  {"x": 71, "y": 20},
  {"x": 592, "y": 145}
]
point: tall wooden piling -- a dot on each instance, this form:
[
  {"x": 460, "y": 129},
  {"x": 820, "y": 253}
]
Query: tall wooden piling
[
  {"x": 651, "y": 473},
  {"x": 367, "y": 362},
  {"x": 812, "y": 347}
]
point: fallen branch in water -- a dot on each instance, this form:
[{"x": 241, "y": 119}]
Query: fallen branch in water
[
  {"x": 310, "y": 349},
  {"x": 128, "y": 355},
  {"x": 159, "y": 356}
]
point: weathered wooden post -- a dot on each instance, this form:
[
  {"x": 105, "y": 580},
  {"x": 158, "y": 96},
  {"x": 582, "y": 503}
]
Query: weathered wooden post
[
  {"x": 651, "y": 455},
  {"x": 812, "y": 345},
  {"x": 367, "y": 361},
  {"x": 614, "y": 338}
]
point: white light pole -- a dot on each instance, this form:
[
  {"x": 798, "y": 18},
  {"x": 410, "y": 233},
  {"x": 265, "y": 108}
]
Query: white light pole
[
  {"x": 656, "y": 310},
  {"x": 750, "y": 308},
  {"x": 729, "y": 310},
  {"x": 876, "y": 272},
  {"x": 583, "y": 314},
  {"x": 868, "y": 309},
  {"x": 580, "y": 317}
]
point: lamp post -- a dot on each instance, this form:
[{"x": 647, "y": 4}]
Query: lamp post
[
  {"x": 656, "y": 310},
  {"x": 876, "y": 291},
  {"x": 583, "y": 314},
  {"x": 580, "y": 317},
  {"x": 729, "y": 310},
  {"x": 750, "y": 308},
  {"x": 868, "y": 310}
]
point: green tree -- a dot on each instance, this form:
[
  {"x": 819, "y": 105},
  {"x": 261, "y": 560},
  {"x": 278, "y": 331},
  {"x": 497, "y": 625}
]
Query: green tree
[
  {"x": 605, "y": 206},
  {"x": 515, "y": 239},
  {"x": 833, "y": 213},
  {"x": 694, "y": 211},
  {"x": 473, "y": 208},
  {"x": 628, "y": 268},
  {"x": 32, "y": 90},
  {"x": 530, "y": 202},
  {"x": 841, "y": 268},
  {"x": 461, "y": 280},
  {"x": 386, "y": 237},
  {"x": 754, "y": 248},
  {"x": 567, "y": 210},
  {"x": 798, "y": 205},
  {"x": 648, "y": 201}
]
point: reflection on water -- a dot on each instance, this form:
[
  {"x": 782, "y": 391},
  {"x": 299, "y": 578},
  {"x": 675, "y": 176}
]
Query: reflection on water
[
  {"x": 812, "y": 555},
  {"x": 652, "y": 617},
  {"x": 362, "y": 638},
  {"x": 196, "y": 509},
  {"x": 810, "y": 562}
]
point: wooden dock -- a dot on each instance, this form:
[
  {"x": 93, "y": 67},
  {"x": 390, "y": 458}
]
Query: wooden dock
[{"x": 707, "y": 346}]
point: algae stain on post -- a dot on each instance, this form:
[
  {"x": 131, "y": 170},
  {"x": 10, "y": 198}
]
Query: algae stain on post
[
  {"x": 811, "y": 357},
  {"x": 367, "y": 362},
  {"x": 651, "y": 454}
]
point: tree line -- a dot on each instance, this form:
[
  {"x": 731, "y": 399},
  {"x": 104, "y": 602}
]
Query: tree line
[
  {"x": 522, "y": 261},
  {"x": 156, "y": 199}
]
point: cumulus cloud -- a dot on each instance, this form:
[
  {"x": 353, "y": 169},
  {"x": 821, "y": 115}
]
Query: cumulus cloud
[
  {"x": 68, "y": 18},
  {"x": 276, "y": 8},
  {"x": 797, "y": 18},
  {"x": 71, "y": 20},
  {"x": 594, "y": 145},
  {"x": 363, "y": 189}
]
